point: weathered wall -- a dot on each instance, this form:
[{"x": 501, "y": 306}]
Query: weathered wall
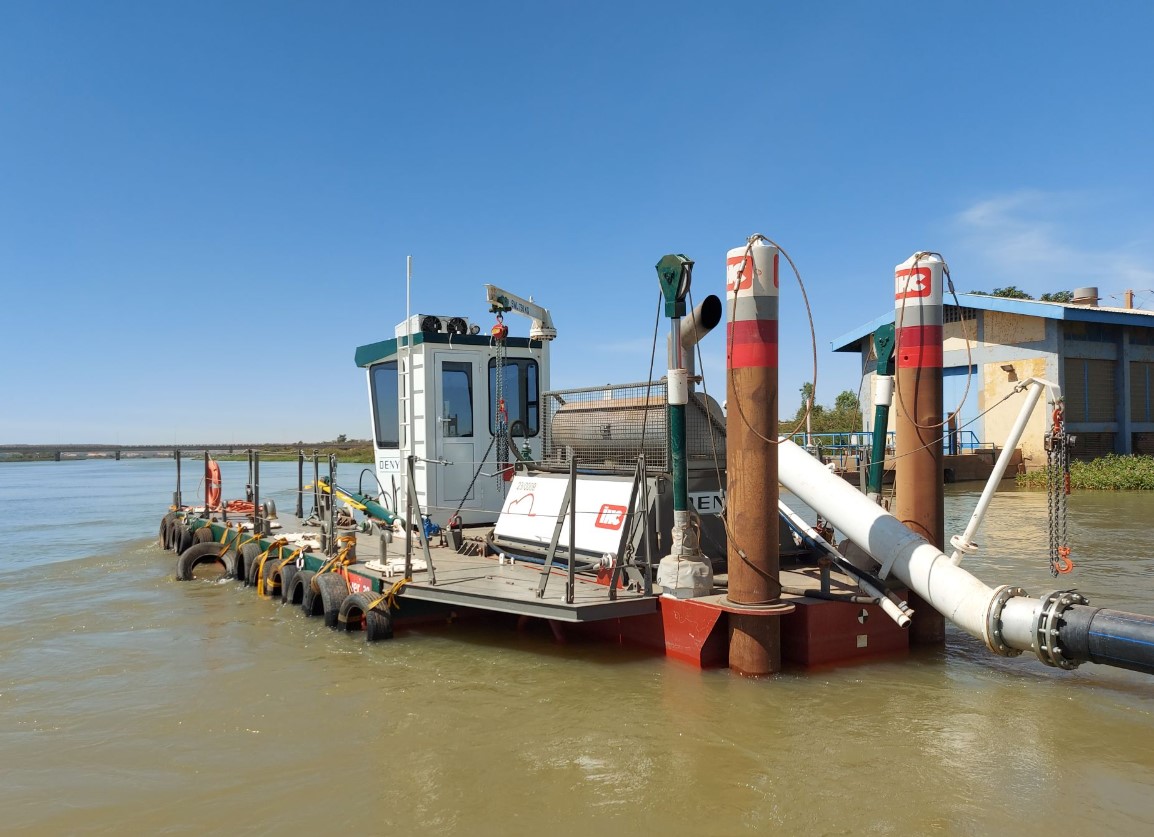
[
  {"x": 954, "y": 335},
  {"x": 996, "y": 384},
  {"x": 1012, "y": 329}
]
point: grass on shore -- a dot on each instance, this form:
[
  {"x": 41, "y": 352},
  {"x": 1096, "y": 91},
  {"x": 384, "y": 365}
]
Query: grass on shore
[
  {"x": 353, "y": 452},
  {"x": 1113, "y": 472}
]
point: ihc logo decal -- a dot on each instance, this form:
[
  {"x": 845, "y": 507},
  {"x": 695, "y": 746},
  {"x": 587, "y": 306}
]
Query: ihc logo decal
[
  {"x": 742, "y": 278},
  {"x": 610, "y": 517},
  {"x": 918, "y": 282}
]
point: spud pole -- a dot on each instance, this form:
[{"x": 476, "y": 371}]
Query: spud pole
[
  {"x": 751, "y": 455},
  {"x": 920, "y": 497}
]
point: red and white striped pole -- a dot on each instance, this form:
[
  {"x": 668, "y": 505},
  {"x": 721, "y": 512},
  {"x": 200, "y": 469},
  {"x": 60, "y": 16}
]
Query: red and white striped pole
[
  {"x": 920, "y": 497},
  {"x": 751, "y": 455}
]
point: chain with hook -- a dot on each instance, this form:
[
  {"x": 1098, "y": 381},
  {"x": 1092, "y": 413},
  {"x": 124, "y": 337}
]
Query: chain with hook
[
  {"x": 500, "y": 334},
  {"x": 1057, "y": 490}
]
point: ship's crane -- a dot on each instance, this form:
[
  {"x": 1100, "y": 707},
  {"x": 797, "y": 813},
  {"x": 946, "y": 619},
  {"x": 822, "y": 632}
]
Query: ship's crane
[{"x": 501, "y": 301}]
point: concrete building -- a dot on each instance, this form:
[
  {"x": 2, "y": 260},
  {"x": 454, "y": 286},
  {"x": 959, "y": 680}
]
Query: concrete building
[{"x": 1102, "y": 358}]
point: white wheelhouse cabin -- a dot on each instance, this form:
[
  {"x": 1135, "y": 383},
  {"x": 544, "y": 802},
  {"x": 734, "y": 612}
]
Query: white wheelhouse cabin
[{"x": 451, "y": 426}]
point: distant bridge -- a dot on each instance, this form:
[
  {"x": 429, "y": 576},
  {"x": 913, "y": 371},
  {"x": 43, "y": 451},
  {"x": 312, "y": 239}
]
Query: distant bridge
[{"x": 83, "y": 451}]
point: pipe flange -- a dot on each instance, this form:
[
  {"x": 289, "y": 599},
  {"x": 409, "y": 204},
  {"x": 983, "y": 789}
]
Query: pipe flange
[
  {"x": 994, "y": 640},
  {"x": 1045, "y": 628}
]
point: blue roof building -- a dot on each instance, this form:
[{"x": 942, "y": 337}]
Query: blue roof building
[{"x": 1102, "y": 358}]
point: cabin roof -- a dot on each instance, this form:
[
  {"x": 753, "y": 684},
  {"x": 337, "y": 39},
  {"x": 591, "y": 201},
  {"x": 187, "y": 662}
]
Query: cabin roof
[{"x": 372, "y": 353}]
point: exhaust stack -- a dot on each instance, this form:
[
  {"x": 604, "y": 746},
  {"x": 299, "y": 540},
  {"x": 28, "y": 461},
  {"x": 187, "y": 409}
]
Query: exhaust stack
[{"x": 699, "y": 322}]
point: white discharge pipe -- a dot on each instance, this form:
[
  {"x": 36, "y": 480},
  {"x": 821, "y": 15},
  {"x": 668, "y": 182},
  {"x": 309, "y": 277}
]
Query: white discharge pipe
[
  {"x": 964, "y": 543},
  {"x": 960, "y": 597}
]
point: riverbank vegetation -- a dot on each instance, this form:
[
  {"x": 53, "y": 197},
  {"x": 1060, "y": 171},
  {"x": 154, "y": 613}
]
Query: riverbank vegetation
[
  {"x": 1113, "y": 472},
  {"x": 843, "y": 417},
  {"x": 346, "y": 450}
]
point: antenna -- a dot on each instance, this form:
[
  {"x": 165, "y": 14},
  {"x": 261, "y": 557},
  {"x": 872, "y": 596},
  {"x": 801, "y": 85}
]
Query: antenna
[{"x": 409, "y": 357}]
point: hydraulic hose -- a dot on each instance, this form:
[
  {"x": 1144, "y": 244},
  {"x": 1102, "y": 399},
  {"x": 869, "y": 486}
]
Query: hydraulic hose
[{"x": 829, "y": 597}]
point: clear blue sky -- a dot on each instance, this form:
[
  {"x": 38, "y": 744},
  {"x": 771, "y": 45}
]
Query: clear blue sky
[{"x": 206, "y": 206}]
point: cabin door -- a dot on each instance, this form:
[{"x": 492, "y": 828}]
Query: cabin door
[{"x": 458, "y": 428}]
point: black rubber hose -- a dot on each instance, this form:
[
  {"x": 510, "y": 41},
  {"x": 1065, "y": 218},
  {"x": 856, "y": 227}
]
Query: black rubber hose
[
  {"x": 1107, "y": 637},
  {"x": 829, "y": 597}
]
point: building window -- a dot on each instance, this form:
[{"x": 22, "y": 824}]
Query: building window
[
  {"x": 1089, "y": 332},
  {"x": 954, "y": 314},
  {"x": 1089, "y": 390},
  {"x": 1142, "y": 336},
  {"x": 383, "y": 382},
  {"x": 1089, "y": 446},
  {"x": 520, "y": 390},
  {"x": 1141, "y": 397}
]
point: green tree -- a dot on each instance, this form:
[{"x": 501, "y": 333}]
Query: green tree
[
  {"x": 844, "y": 417},
  {"x": 1014, "y": 292},
  {"x": 847, "y": 402},
  {"x": 1010, "y": 291}
]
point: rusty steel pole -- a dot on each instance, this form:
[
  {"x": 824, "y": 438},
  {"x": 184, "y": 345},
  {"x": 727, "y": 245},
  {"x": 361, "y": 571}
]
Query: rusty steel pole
[
  {"x": 751, "y": 455},
  {"x": 920, "y": 497}
]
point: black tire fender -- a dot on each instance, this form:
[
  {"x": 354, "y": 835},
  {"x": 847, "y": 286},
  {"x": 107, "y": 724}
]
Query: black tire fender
[
  {"x": 252, "y": 553},
  {"x": 276, "y": 554},
  {"x": 302, "y": 589},
  {"x": 287, "y": 577},
  {"x": 249, "y": 555},
  {"x": 356, "y": 615},
  {"x": 203, "y": 535},
  {"x": 332, "y": 590},
  {"x": 165, "y": 537},
  {"x": 181, "y": 537},
  {"x": 205, "y": 553},
  {"x": 274, "y": 575},
  {"x": 171, "y": 534}
]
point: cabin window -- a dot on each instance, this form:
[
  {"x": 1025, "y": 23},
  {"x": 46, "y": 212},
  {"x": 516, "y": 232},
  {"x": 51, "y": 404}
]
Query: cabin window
[
  {"x": 520, "y": 388},
  {"x": 383, "y": 384},
  {"x": 457, "y": 398}
]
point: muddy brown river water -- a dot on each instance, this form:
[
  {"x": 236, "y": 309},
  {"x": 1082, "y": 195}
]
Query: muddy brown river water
[{"x": 132, "y": 703}]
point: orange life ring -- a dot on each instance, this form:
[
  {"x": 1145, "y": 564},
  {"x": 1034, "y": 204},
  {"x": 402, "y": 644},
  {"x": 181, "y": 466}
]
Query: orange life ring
[{"x": 212, "y": 485}]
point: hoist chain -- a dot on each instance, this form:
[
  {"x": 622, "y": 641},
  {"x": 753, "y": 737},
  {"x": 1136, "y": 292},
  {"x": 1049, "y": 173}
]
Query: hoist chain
[
  {"x": 456, "y": 515},
  {"x": 501, "y": 419},
  {"x": 1057, "y": 490}
]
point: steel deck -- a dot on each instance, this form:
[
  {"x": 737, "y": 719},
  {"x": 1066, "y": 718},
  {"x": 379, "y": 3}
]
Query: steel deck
[{"x": 485, "y": 583}]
